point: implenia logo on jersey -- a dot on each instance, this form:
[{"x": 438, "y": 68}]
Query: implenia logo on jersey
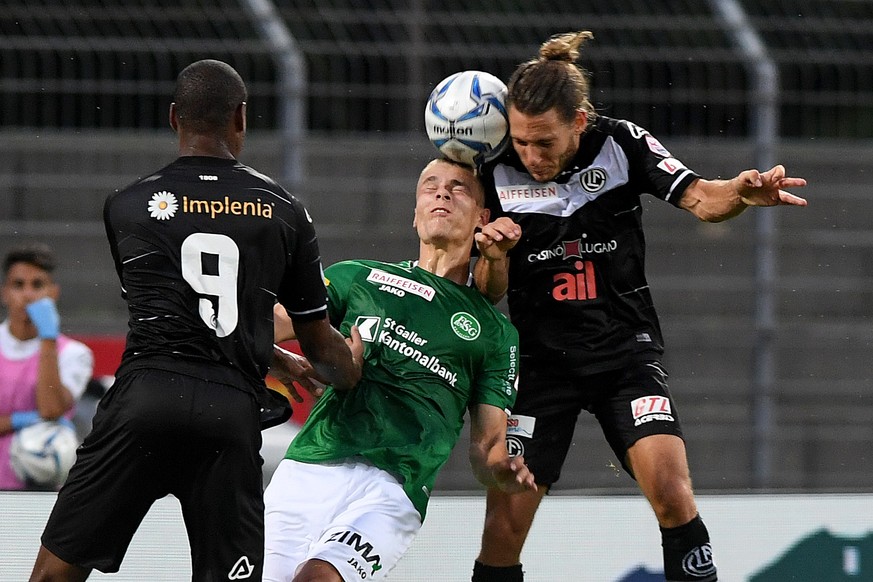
[
  {"x": 593, "y": 180},
  {"x": 241, "y": 570},
  {"x": 648, "y": 408},
  {"x": 465, "y": 326},
  {"x": 369, "y": 326},
  {"x": 163, "y": 205}
]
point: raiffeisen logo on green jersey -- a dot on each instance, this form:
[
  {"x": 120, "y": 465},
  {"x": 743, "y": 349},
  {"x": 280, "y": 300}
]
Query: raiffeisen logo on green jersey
[
  {"x": 405, "y": 341},
  {"x": 402, "y": 284}
]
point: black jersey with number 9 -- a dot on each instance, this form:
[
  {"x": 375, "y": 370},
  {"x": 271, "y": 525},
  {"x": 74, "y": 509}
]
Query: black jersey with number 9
[{"x": 203, "y": 249}]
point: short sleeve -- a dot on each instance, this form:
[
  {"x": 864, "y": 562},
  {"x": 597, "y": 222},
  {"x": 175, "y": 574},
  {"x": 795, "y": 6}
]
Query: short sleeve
[
  {"x": 302, "y": 291},
  {"x": 652, "y": 165},
  {"x": 76, "y": 366},
  {"x": 497, "y": 382}
]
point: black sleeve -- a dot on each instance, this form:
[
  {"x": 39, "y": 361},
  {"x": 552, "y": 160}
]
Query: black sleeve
[
  {"x": 302, "y": 290},
  {"x": 652, "y": 165}
]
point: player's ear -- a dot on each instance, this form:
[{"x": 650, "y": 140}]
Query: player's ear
[
  {"x": 239, "y": 117},
  {"x": 484, "y": 217},
  {"x": 580, "y": 122},
  {"x": 174, "y": 120}
]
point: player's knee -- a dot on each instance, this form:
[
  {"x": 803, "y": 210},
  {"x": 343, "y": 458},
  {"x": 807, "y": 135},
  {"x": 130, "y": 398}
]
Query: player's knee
[{"x": 673, "y": 501}]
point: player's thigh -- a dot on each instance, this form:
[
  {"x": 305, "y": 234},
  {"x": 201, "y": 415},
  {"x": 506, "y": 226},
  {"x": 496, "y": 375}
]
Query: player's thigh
[
  {"x": 367, "y": 539},
  {"x": 543, "y": 421},
  {"x": 218, "y": 481},
  {"x": 300, "y": 502},
  {"x": 637, "y": 404},
  {"x": 117, "y": 476}
]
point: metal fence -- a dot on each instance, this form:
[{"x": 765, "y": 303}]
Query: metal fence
[{"x": 666, "y": 64}]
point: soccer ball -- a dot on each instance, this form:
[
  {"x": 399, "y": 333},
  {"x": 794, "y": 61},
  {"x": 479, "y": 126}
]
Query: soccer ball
[
  {"x": 42, "y": 453},
  {"x": 465, "y": 117}
]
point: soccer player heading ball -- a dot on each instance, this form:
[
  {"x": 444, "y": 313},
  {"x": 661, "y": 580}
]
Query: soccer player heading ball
[{"x": 567, "y": 245}]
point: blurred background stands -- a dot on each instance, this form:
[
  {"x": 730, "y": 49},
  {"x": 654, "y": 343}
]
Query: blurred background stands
[{"x": 85, "y": 86}]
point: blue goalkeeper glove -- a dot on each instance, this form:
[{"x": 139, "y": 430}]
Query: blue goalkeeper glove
[
  {"x": 24, "y": 419},
  {"x": 44, "y": 316}
]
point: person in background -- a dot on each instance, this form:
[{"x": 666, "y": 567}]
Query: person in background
[
  {"x": 42, "y": 372},
  {"x": 352, "y": 491},
  {"x": 203, "y": 248},
  {"x": 568, "y": 245}
]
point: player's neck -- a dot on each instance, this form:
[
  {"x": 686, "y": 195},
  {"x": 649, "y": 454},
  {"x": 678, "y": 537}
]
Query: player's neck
[
  {"x": 21, "y": 329},
  {"x": 453, "y": 263},
  {"x": 207, "y": 146}
]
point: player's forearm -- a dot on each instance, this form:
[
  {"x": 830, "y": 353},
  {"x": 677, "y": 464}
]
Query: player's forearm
[
  {"x": 713, "y": 200},
  {"x": 492, "y": 277},
  {"x": 327, "y": 351},
  {"x": 53, "y": 399}
]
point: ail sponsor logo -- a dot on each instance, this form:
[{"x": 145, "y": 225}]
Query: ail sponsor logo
[{"x": 577, "y": 285}]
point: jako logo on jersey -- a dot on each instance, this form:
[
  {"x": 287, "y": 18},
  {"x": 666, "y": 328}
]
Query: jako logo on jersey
[
  {"x": 465, "y": 326},
  {"x": 382, "y": 278},
  {"x": 241, "y": 570},
  {"x": 363, "y": 548},
  {"x": 573, "y": 248},
  {"x": 579, "y": 285},
  {"x": 648, "y": 408},
  {"x": 163, "y": 205},
  {"x": 593, "y": 180},
  {"x": 227, "y": 207},
  {"x": 698, "y": 562}
]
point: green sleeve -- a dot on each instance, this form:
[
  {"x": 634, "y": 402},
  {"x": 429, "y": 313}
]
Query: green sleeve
[{"x": 497, "y": 383}]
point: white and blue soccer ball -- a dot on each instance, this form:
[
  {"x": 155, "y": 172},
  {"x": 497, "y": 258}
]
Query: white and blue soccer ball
[
  {"x": 42, "y": 453},
  {"x": 466, "y": 119}
]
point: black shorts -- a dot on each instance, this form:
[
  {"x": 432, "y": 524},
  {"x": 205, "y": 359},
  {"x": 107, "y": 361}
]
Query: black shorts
[
  {"x": 629, "y": 403},
  {"x": 158, "y": 433}
]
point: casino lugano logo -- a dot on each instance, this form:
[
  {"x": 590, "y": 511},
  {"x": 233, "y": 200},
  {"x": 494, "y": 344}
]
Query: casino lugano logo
[{"x": 465, "y": 326}]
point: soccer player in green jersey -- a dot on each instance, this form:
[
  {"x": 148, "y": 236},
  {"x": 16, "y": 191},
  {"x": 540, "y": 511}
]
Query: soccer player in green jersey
[{"x": 352, "y": 491}]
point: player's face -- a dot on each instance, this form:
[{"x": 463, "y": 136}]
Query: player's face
[
  {"x": 545, "y": 143},
  {"x": 25, "y": 283},
  {"x": 448, "y": 204}
]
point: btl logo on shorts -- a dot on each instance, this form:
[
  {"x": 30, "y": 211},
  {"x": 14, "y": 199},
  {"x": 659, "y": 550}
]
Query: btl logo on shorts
[{"x": 648, "y": 408}]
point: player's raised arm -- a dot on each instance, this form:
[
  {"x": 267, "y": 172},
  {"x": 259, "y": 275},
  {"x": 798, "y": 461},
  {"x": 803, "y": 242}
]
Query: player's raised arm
[{"x": 491, "y": 272}]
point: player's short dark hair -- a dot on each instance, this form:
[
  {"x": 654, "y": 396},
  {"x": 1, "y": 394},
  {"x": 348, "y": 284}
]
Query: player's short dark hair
[
  {"x": 207, "y": 94},
  {"x": 37, "y": 254},
  {"x": 553, "y": 80}
]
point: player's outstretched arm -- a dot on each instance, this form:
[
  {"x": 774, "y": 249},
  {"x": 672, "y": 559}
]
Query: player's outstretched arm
[
  {"x": 491, "y": 272},
  {"x": 718, "y": 200},
  {"x": 491, "y": 464}
]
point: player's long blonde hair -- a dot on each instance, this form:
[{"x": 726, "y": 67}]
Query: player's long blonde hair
[{"x": 553, "y": 79}]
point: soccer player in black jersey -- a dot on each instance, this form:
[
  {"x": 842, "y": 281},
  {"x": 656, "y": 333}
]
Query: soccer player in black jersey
[
  {"x": 568, "y": 248},
  {"x": 204, "y": 248}
]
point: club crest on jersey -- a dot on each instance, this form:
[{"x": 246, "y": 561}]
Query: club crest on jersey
[
  {"x": 465, "y": 326},
  {"x": 593, "y": 179},
  {"x": 163, "y": 205}
]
